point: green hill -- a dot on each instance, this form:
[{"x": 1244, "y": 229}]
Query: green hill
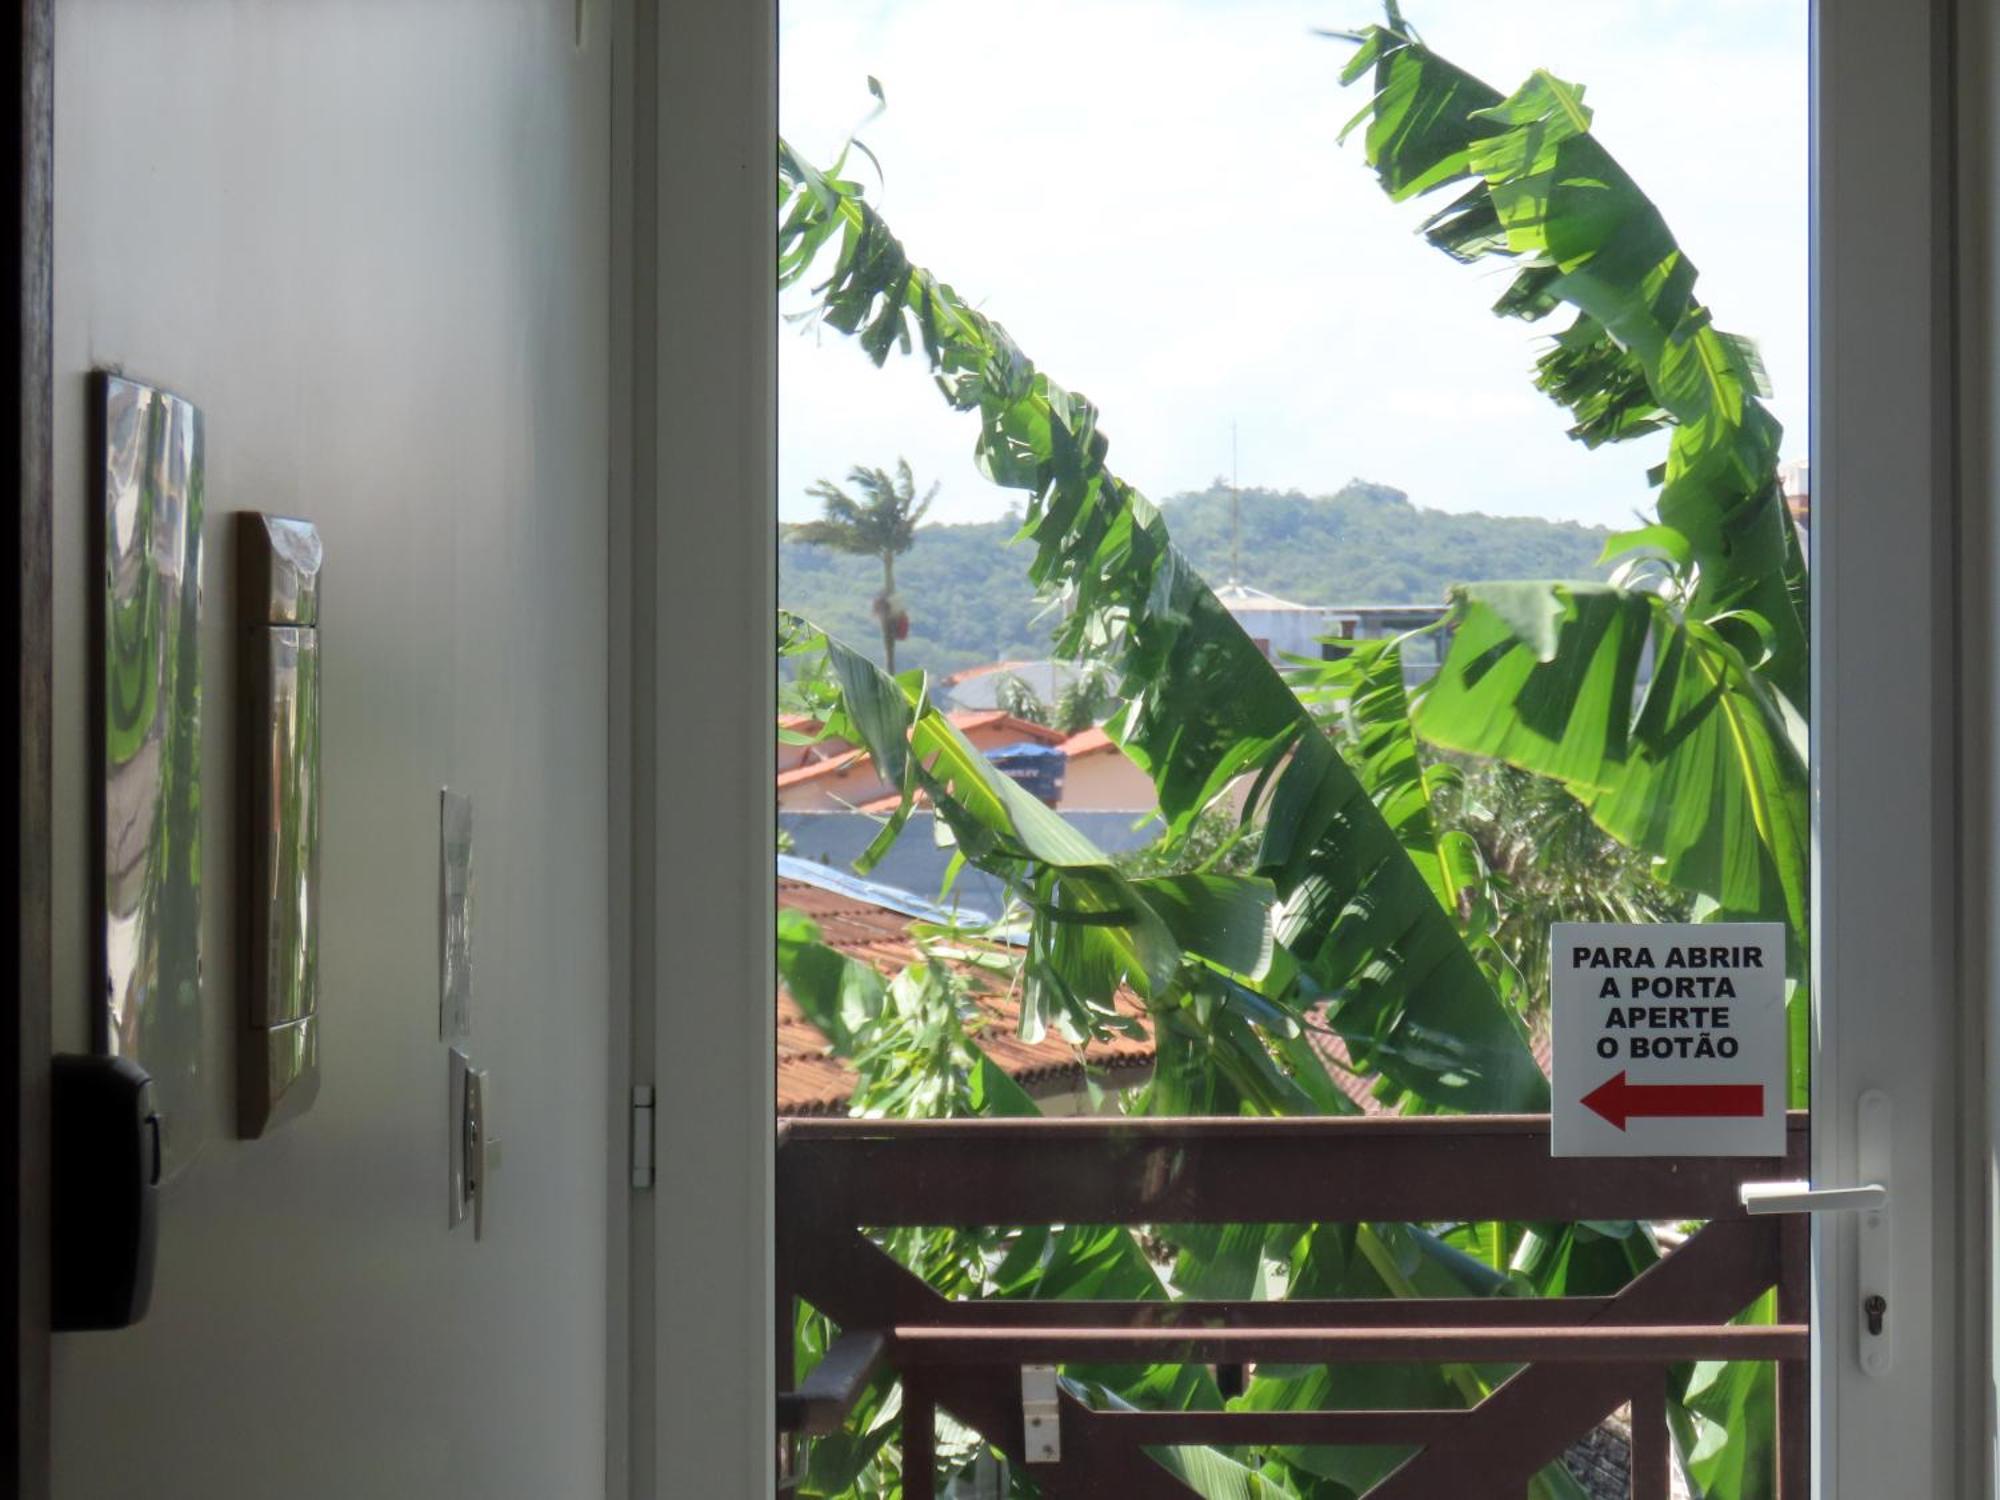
[{"x": 969, "y": 601}]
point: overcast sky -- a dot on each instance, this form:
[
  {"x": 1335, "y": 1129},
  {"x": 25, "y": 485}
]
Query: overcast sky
[{"x": 1150, "y": 196}]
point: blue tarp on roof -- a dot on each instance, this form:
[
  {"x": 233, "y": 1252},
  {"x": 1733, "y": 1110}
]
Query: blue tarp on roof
[
  {"x": 845, "y": 883},
  {"x": 1038, "y": 768}
]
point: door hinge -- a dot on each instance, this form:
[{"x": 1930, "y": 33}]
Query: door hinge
[
  {"x": 642, "y": 1135},
  {"x": 1041, "y": 1414}
]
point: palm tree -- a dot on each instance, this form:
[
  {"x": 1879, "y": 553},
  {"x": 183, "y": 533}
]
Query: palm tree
[{"x": 882, "y": 523}]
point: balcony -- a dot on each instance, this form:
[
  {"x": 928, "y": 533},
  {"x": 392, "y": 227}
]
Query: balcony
[{"x": 1579, "y": 1359}]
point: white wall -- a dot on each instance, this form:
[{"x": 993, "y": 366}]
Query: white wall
[
  {"x": 371, "y": 242},
  {"x": 1106, "y": 781}
]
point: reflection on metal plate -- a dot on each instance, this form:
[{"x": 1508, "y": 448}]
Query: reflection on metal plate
[
  {"x": 282, "y": 704},
  {"x": 147, "y": 462},
  {"x": 455, "y": 916},
  {"x": 277, "y": 577},
  {"x": 280, "y": 571},
  {"x": 278, "y": 1070}
]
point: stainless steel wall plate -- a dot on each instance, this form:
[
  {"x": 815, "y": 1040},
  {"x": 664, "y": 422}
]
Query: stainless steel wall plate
[
  {"x": 278, "y": 580},
  {"x": 147, "y": 470}
]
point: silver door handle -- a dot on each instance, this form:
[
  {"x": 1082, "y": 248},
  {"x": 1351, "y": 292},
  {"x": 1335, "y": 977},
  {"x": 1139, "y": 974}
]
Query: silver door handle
[
  {"x": 1803, "y": 1198},
  {"x": 1874, "y": 1264}
]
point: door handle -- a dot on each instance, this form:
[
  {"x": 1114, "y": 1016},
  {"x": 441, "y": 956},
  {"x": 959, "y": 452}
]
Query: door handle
[
  {"x": 1803, "y": 1198},
  {"x": 1874, "y": 1263}
]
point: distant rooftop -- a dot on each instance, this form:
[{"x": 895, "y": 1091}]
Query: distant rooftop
[{"x": 871, "y": 923}]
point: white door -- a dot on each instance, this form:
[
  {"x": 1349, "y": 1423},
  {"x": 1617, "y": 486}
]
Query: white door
[
  {"x": 1889, "y": 655},
  {"x": 1897, "y": 785}
]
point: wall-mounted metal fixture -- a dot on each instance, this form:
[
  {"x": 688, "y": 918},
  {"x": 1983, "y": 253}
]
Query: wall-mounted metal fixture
[
  {"x": 278, "y": 575},
  {"x": 146, "y": 466},
  {"x": 474, "y": 1151},
  {"x": 454, "y": 915}
]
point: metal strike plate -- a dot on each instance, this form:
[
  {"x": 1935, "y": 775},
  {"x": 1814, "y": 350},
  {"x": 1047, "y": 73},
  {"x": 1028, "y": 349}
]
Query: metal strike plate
[
  {"x": 1874, "y": 1260},
  {"x": 1041, "y": 1414}
]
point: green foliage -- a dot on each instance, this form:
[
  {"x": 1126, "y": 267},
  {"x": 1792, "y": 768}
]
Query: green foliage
[
  {"x": 1217, "y": 840},
  {"x": 1364, "y": 544},
  {"x": 1548, "y": 862},
  {"x": 1535, "y": 187},
  {"x": 1703, "y": 766},
  {"x": 1665, "y": 701},
  {"x": 1203, "y": 705},
  {"x": 1013, "y": 696},
  {"x": 1092, "y": 928},
  {"x": 881, "y": 525}
]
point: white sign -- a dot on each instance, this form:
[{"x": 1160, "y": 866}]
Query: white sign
[{"x": 1669, "y": 1038}]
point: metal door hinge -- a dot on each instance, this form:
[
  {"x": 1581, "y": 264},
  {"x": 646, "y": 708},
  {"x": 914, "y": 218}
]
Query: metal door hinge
[
  {"x": 1041, "y": 1414},
  {"x": 642, "y": 1135}
]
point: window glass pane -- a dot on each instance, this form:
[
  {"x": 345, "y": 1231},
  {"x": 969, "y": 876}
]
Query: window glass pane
[{"x": 1312, "y": 565}]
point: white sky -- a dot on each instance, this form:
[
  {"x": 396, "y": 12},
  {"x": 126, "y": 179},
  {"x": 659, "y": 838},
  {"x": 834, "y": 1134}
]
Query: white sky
[{"x": 1150, "y": 196}]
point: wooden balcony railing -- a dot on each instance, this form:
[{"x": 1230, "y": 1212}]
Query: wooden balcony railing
[{"x": 1581, "y": 1358}]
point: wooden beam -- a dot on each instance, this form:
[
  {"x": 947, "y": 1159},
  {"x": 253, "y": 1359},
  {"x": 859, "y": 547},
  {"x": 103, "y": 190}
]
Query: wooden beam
[
  {"x": 1157, "y": 1429},
  {"x": 921, "y": 1345},
  {"x": 840, "y": 1173},
  {"x": 829, "y": 1391}
]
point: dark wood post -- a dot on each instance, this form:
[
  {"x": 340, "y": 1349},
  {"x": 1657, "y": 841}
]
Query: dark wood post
[
  {"x": 1652, "y": 1442},
  {"x": 919, "y": 1439},
  {"x": 1794, "y": 1444}
]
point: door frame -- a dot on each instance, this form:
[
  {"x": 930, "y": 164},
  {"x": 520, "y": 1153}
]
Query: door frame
[
  {"x": 1888, "y": 776},
  {"x": 1901, "y": 991},
  {"x": 26, "y": 440},
  {"x": 696, "y": 582}
]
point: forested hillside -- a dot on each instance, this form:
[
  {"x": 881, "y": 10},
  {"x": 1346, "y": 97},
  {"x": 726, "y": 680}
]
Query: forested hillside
[{"x": 1367, "y": 544}]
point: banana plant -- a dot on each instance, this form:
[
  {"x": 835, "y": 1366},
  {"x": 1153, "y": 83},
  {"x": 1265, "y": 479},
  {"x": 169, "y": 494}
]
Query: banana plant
[
  {"x": 1367, "y": 927},
  {"x": 913, "y": 1050},
  {"x": 1673, "y": 706},
  {"x": 1360, "y": 937}
]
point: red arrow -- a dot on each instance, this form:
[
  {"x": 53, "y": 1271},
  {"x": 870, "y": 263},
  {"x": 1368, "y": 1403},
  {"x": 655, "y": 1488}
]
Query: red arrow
[{"x": 1619, "y": 1101}]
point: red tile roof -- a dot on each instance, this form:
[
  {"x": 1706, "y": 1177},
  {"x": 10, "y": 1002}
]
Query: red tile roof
[
  {"x": 1092, "y": 741},
  {"x": 811, "y": 1081},
  {"x": 966, "y": 720},
  {"x": 839, "y": 765}
]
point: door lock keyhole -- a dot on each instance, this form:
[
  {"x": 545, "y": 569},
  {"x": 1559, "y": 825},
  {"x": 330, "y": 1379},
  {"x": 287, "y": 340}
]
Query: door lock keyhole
[{"x": 1875, "y": 1307}]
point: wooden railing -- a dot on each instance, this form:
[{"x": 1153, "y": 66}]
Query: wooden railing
[{"x": 1582, "y": 1358}]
